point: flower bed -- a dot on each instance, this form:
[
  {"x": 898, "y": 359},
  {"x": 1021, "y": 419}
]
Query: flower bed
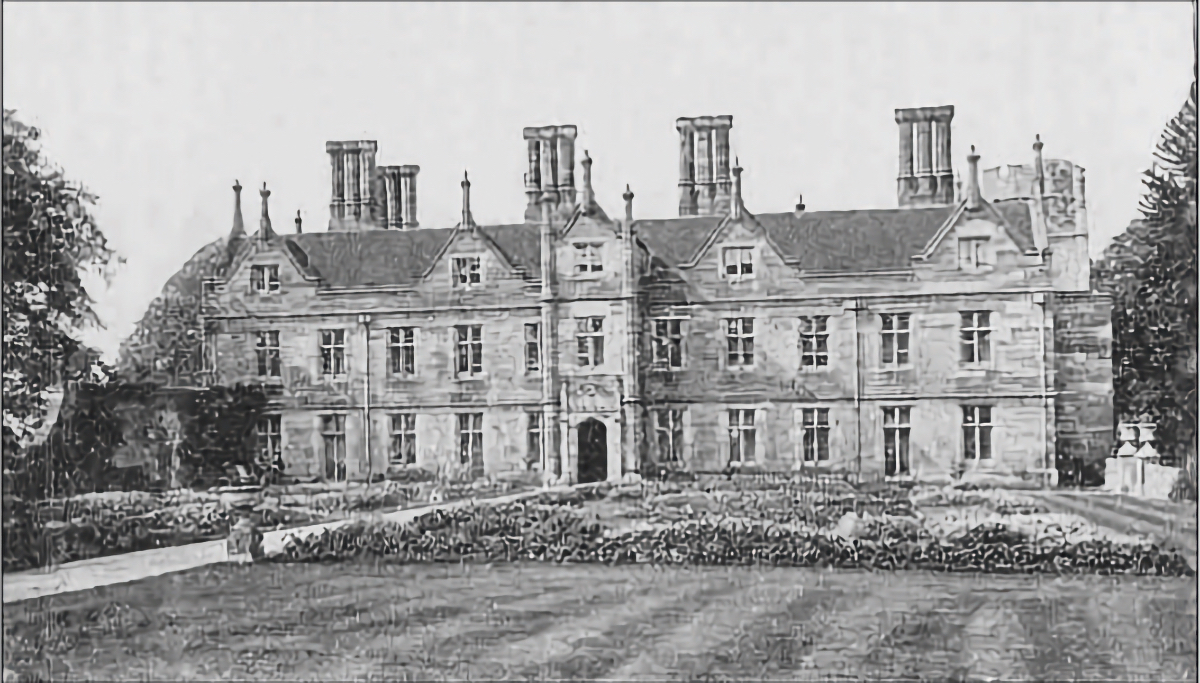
[
  {"x": 102, "y": 524},
  {"x": 555, "y": 532}
]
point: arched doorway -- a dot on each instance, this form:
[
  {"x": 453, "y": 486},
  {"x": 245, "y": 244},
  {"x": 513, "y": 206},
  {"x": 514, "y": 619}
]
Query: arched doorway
[{"x": 593, "y": 451}]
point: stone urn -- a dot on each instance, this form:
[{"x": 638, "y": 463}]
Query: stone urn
[{"x": 245, "y": 541}]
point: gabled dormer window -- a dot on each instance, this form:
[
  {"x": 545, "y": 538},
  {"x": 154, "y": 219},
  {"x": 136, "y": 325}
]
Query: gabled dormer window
[
  {"x": 466, "y": 270},
  {"x": 973, "y": 253},
  {"x": 588, "y": 258},
  {"x": 264, "y": 279},
  {"x": 738, "y": 262}
]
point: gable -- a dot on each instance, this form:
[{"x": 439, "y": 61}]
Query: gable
[
  {"x": 254, "y": 253},
  {"x": 477, "y": 242},
  {"x": 745, "y": 232},
  {"x": 1011, "y": 217},
  {"x": 995, "y": 236}
]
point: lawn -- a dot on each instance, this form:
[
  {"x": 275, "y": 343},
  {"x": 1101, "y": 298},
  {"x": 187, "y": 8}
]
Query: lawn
[{"x": 375, "y": 620}]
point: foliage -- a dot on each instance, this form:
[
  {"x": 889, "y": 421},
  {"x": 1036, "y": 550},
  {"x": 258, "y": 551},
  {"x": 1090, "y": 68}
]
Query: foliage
[
  {"x": 1151, "y": 272},
  {"x": 166, "y": 346},
  {"x": 50, "y": 238}
]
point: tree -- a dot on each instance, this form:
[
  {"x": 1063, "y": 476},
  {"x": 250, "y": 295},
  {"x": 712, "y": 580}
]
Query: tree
[
  {"x": 50, "y": 239},
  {"x": 1150, "y": 270}
]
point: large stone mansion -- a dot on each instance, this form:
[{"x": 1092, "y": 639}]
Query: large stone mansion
[{"x": 955, "y": 332}]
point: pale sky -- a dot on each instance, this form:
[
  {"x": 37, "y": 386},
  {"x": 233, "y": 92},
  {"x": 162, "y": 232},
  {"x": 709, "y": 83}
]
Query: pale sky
[{"x": 157, "y": 108}]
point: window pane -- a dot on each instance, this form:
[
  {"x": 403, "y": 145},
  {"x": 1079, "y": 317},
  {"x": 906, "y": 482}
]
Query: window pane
[
  {"x": 984, "y": 348},
  {"x": 985, "y": 443},
  {"x": 969, "y": 443}
]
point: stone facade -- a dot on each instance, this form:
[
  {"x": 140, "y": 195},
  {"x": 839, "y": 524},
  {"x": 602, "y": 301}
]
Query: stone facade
[{"x": 947, "y": 335}]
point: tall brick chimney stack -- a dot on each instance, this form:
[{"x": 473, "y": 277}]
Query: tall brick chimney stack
[
  {"x": 398, "y": 210},
  {"x": 705, "y": 183},
  {"x": 926, "y": 175},
  {"x": 354, "y": 179},
  {"x": 551, "y": 169}
]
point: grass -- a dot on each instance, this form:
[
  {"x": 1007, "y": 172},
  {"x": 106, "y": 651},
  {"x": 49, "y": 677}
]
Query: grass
[{"x": 350, "y": 621}]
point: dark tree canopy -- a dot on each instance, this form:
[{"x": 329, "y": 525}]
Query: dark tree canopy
[
  {"x": 50, "y": 239},
  {"x": 1151, "y": 271}
]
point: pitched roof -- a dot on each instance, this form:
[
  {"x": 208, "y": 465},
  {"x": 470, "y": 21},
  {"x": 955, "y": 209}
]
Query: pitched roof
[
  {"x": 837, "y": 241},
  {"x": 380, "y": 258}
]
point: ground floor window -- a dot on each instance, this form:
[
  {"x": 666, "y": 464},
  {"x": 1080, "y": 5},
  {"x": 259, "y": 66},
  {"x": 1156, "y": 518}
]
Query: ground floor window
[
  {"x": 535, "y": 456},
  {"x": 470, "y": 438},
  {"x": 814, "y": 427},
  {"x": 404, "y": 439},
  {"x": 895, "y": 440},
  {"x": 333, "y": 433},
  {"x": 741, "y": 435},
  {"x": 270, "y": 441},
  {"x": 977, "y": 433},
  {"x": 668, "y": 430}
]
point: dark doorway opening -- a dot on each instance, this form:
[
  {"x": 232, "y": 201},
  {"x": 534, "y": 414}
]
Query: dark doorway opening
[{"x": 593, "y": 451}]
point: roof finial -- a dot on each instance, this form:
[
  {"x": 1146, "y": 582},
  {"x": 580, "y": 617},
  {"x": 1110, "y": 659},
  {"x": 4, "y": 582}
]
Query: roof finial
[
  {"x": 239, "y": 228},
  {"x": 299, "y": 229},
  {"x": 467, "y": 222},
  {"x": 589, "y": 196},
  {"x": 974, "y": 198},
  {"x": 1039, "y": 172},
  {"x": 264, "y": 224},
  {"x": 628, "y": 197}
]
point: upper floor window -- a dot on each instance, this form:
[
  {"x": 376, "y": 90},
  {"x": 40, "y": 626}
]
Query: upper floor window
[
  {"x": 667, "y": 350},
  {"x": 894, "y": 338},
  {"x": 739, "y": 337},
  {"x": 333, "y": 352},
  {"x": 814, "y": 342},
  {"x": 588, "y": 258},
  {"x": 976, "y": 330},
  {"x": 467, "y": 270},
  {"x": 469, "y": 342},
  {"x": 589, "y": 338},
  {"x": 402, "y": 350},
  {"x": 972, "y": 253},
  {"x": 266, "y": 349},
  {"x": 739, "y": 262},
  {"x": 264, "y": 279},
  {"x": 533, "y": 347}
]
